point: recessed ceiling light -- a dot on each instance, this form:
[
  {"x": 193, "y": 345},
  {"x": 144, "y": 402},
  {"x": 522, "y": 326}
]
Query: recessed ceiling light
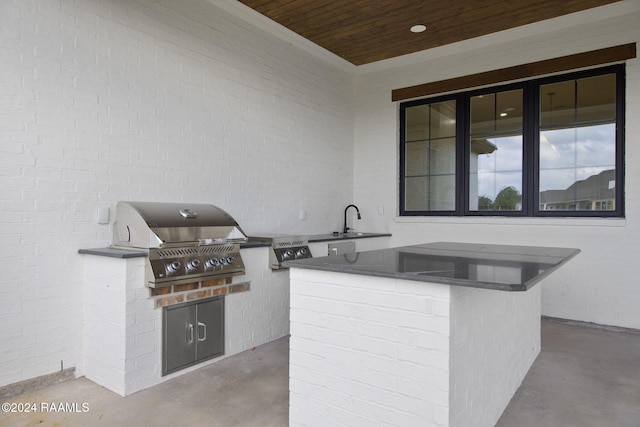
[{"x": 418, "y": 28}]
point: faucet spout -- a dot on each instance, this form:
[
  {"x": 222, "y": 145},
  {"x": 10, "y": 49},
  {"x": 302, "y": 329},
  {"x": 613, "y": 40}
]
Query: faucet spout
[{"x": 345, "y": 229}]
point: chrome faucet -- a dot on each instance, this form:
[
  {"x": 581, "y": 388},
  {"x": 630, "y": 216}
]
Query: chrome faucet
[{"x": 345, "y": 228}]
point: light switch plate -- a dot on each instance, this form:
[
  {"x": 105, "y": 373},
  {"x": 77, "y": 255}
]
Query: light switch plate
[{"x": 103, "y": 215}]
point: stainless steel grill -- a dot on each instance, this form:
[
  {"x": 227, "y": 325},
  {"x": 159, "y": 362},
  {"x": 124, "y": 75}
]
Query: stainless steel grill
[
  {"x": 285, "y": 248},
  {"x": 186, "y": 242}
]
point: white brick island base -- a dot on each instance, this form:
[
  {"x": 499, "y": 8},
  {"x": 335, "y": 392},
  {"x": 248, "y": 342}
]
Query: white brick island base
[{"x": 375, "y": 351}]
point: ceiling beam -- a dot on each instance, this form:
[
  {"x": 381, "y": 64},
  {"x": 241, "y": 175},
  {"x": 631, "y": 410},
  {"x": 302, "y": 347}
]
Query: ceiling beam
[{"x": 533, "y": 69}]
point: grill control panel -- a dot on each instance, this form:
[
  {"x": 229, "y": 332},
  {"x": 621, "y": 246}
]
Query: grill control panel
[
  {"x": 285, "y": 248},
  {"x": 289, "y": 254},
  {"x": 169, "y": 265}
]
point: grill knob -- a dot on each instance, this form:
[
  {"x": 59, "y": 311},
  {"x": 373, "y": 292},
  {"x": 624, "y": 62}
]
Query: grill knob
[
  {"x": 194, "y": 264},
  {"x": 174, "y": 266},
  {"x": 212, "y": 262},
  {"x": 229, "y": 260},
  {"x": 302, "y": 253},
  {"x": 288, "y": 254}
]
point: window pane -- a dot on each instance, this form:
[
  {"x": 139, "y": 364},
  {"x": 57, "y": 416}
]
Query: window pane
[
  {"x": 417, "y": 123},
  {"x": 557, "y": 102},
  {"x": 597, "y": 148},
  {"x": 430, "y": 193},
  {"x": 496, "y": 152},
  {"x": 509, "y": 111},
  {"x": 483, "y": 115},
  {"x": 578, "y": 145},
  {"x": 416, "y": 158},
  {"x": 416, "y": 193},
  {"x": 430, "y": 170},
  {"x": 430, "y": 157},
  {"x": 443, "y": 119},
  {"x": 597, "y": 98},
  {"x": 577, "y": 168}
]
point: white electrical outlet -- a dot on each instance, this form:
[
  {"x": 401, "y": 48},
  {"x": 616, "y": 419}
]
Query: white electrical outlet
[
  {"x": 302, "y": 215},
  {"x": 381, "y": 210},
  {"x": 103, "y": 215}
]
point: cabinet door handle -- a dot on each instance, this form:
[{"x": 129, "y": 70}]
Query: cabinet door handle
[
  {"x": 189, "y": 333},
  {"x": 204, "y": 330}
]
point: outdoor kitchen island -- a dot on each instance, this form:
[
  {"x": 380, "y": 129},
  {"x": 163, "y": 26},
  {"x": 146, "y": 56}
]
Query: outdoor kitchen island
[{"x": 439, "y": 334}]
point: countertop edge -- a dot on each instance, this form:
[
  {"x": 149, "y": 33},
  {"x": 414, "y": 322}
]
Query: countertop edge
[
  {"x": 114, "y": 253},
  {"x": 256, "y": 242},
  {"x": 349, "y": 236},
  {"x": 548, "y": 272},
  {"x": 516, "y": 287}
]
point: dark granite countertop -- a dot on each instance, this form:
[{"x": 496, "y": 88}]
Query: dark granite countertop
[
  {"x": 254, "y": 242},
  {"x": 344, "y": 236},
  {"x": 499, "y": 267},
  {"x": 115, "y": 252}
]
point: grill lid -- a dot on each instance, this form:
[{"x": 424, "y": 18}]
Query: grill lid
[{"x": 157, "y": 224}]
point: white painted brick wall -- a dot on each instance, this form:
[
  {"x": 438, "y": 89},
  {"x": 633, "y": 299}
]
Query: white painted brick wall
[
  {"x": 494, "y": 341},
  {"x": 121, "y": 328},
  {"x": 358, "y": 348},
  {"x": 262, "y": 314},
  {"x": 111, "y": 100},
  {"x": 105, "y": 321},
  {"x": 382, "y": 352},
  {"x": 597, "y": 286},
  {"x": 143, "y": 332}
]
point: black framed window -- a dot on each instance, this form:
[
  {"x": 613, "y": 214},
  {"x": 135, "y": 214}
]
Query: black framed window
[{"x": 545, "y": 147}]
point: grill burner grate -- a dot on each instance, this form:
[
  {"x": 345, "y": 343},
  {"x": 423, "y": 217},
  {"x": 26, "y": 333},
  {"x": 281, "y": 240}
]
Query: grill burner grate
[
  {"x": 195, "y": 251},
  {"x": 289, "y": 244}
]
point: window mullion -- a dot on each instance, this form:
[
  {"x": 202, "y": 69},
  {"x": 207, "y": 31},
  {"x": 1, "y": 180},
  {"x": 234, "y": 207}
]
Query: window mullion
[
  {"x": 531, "y": 136},
  {"x": 620, "y": 122},
  {"x": 462, "y": 141}
]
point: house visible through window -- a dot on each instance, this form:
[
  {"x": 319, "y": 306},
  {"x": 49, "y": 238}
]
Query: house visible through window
[{"x": 549, "y": 147}]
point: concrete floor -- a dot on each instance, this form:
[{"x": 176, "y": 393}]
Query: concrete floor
[{"x": 583, "y": 377}]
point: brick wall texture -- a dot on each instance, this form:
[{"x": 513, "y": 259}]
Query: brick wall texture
[
  {"x": 102, "y": 101},
  {"x": 383, "y": 352}
]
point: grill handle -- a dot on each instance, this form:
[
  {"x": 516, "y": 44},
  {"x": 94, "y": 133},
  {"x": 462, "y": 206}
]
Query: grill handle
[
  {"x": 189, "y": 334},
  {"x": 204, "y": 330},
  {"x": 188, "y": 213}
]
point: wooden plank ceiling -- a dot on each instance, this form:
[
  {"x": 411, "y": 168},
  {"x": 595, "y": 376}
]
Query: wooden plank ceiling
[{"x": 365, "y": 31}]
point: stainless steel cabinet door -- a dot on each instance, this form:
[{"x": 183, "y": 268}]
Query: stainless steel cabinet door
[
  {"x": 179, "y": 337},
  {"x": 193, "y": 332},
  {"x": 210, "y": 329}
]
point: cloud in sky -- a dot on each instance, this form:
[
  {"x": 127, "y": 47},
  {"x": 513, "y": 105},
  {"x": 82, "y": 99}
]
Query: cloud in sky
[{"x": 566, "y": 156}]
